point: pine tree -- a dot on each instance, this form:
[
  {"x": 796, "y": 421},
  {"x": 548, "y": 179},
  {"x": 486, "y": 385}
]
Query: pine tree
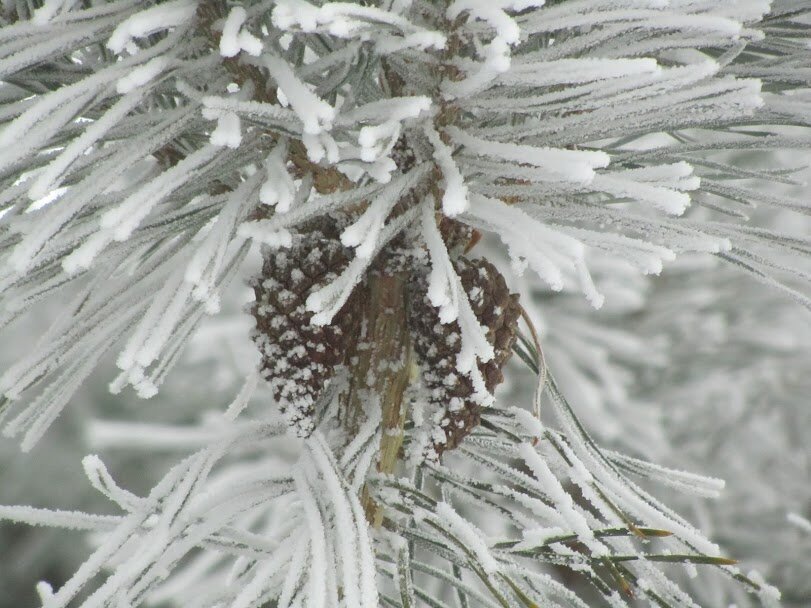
[{"x": 386, "y": 172}]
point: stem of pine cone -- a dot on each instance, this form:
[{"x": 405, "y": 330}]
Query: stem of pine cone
[{"x": 381, "y": 374}]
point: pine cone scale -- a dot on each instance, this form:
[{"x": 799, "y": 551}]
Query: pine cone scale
[
  {"x": 299, "y": 359},
  {"x": 438, "y": 345}
]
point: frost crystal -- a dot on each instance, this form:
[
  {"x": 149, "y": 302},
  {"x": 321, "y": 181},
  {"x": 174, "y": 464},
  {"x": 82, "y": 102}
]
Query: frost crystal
[{"x": 388, "y": 162}]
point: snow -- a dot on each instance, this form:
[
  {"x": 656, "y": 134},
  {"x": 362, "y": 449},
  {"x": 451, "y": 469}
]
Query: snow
[
  {"x": 101, "y": 480},
  {"x": 49, "y": 9},
  {"x": 229, "y": 40},
  {"x": 570, "y": 165},
  {"x": 549, "y": 252},
  {"x": 321, "y": 147},
  {"x": 365, "y": 232},
  {"x": 327, "y": 301},
  {"x": 768, "y": 594},
  {"x": 684, "y": 481},
  {"x": 142, "y": 74},
  {"x": 468, "y": 535},
  {"x": 122, "y": 220},
  {"x": 205, "y": 266},
  {"x": 669, "y": 201},
  {"x": 420, "y": 40},
  {"x": 213, "y": 106},
  {"x": 580, "y": 14},
  {"x": 291, "y": 13},
  {"x": 801, "y": 522},
  {"x": 562, "y": 500},
  {"x": 497, "y": 52},
  {"x": 294, "y": 574},
  {"x": 71, "y": 520},
  {"x": 531, "y": 424},
  {"x": 455, "y": 197},
  {"x": 577, "y": 71},
  {"x": 35, "y": 125},
  {"x": 146, "y": 22},
  {"x": 48, "y": 179},
  {"x": 228, "y": 131},
  {"x": 315, "y": 114},
  {"x": 348, "y": 20},
  {"x": 493, "y": 13},
  {"x": 45, "y": 593},
  {"x": 235, "y": 38},
  {"x": 279, "y": 189},
  {"x": 538, "y": 537},
  {"x": 352, "y": 541},
  {"x": 446, "y": 292}
]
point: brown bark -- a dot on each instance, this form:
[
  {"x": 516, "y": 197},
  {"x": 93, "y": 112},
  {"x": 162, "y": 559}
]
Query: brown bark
[{"x": 381, "y": 373}]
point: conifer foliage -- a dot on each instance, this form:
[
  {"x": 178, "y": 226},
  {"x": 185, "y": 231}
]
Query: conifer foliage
[{"x": 149, "y": 151}]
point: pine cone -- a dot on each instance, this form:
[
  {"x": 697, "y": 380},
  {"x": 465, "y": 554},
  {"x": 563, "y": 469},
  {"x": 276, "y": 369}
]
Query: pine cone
[
  {"x": 437, "y": 346},
  {"x": 458, "y": 236},
  {"x": 299, "y": 359}
]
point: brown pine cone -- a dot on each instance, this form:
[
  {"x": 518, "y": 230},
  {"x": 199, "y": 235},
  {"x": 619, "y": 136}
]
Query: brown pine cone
[
  {"x": 299, "y": 359},
  {"x": 458, "y": 236},
  {"x": 437, "y": 346}
]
